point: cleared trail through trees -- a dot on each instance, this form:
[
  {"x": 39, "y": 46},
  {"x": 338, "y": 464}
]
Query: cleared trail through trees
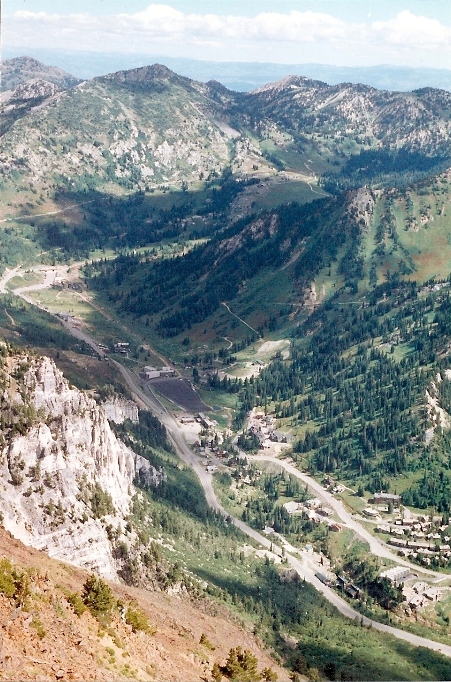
[{"x": 241, "y": 320}]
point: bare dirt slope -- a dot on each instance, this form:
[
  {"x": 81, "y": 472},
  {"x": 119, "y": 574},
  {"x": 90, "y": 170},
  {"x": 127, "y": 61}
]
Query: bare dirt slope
[{"x": 45, "y": 640}]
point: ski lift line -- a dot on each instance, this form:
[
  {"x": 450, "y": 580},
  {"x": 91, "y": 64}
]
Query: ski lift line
[{"x": 241, "y": 320}]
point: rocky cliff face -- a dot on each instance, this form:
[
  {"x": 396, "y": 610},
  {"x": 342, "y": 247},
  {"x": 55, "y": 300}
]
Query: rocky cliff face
[
  {"x": 65, "y": 479},
  {"x": 118, "y": 410}
]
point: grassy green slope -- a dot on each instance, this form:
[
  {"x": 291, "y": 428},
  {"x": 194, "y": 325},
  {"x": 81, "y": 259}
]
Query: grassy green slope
[
  {"x": 115, "y": 136},
  {"x": 274, "y": 604}
]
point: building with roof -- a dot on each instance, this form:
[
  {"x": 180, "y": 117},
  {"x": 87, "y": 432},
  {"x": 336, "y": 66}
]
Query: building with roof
[{"x": 386, "y": 498}]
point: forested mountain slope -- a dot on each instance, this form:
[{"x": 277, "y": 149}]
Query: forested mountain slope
[
  {"x": 360, "y": 282},
  {"x": 148, "y": 127},
  {"x": 348, "y": 243},
  {"x": 205, "y": 223}
]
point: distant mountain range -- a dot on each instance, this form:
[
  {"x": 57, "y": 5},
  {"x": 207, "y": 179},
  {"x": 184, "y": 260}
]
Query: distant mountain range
[
  {"x": 149, "y": 130},
  {"x": 243, "y": 76},
  {"x": 288, "y": 249},
  {"x": 149, "y": 126}
]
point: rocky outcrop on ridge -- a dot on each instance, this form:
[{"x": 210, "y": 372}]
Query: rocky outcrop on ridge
[{"x": 64, "y": 476}]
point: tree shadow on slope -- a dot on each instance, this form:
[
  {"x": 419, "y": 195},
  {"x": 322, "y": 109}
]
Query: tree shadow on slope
[{"x": 281, "y": 604}]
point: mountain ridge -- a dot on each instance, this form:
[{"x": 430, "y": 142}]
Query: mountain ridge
[
  {"x": 160, "y": 129},
  {"x": 22, "y": 69},
  {"x": 246, "y": 76}
]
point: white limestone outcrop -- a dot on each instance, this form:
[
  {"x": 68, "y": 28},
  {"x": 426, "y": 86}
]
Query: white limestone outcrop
[
  {"x": 67, "y": 478},
  {"x": 118, "y": 410}
]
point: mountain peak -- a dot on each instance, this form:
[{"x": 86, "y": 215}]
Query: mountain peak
[
  {"x": 291, "y": 81},
  {"x": 22, "y": 69},
  {"x": 143, "y": 75}
]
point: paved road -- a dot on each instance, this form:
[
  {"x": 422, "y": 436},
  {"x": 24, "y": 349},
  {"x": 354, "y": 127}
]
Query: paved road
[
  {"x": 49, "y": 278},
  {"x": 7, "y": 275},
  {"x": 150, "y": 400},
  {"x": 299, "y": 565},
  {"x": 376, "y": 546}
]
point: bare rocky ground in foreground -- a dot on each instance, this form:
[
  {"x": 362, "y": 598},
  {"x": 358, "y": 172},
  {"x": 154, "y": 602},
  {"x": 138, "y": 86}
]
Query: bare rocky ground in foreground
[{"x": 45, "y": 640}]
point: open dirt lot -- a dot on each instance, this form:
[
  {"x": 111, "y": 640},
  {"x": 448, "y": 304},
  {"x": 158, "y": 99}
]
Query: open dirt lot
[{"x": 180, "y": 392}]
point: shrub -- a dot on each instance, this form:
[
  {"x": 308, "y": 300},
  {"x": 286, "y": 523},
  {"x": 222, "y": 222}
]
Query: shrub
[
  {"x": 22, "y": 591},
  {"x": 7, "y": 584},
  {"x": 97, "y": 596},
  {"x": 216, "y": 673},
  {"x": 138, "y": 620},
  {"x": 36, "y": 623},
  {"x": 206, "y": 642},
  {"x": 241, "y": 666},
  {"x": 101, "y": 502},
  {"x": 13, "y": 583},
  {"x": 76, "y": 602}
]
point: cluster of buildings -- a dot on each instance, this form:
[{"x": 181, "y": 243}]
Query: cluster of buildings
[
  {"x": 418, "y": 535},
  {"x": 421, "y": 594},
  {"x": 387, "y": 499},
  {"x": 330, "y": 485},
  {"x": 205, "y": 421},
  {"x": 413, "y": 549},
  {"x": 314, "y": 510},
  {"x": 386, "y": 502},
  {"x": 398, "y": 574},
  {"x": 154, "y": 373},
  {"x": 59, "y": 283},
  {"x": 262, "y": 426},
  {"x": 341, "y": 582},
  {"x": 122, "y": 347},
  {"x": 417, "y": 594}
]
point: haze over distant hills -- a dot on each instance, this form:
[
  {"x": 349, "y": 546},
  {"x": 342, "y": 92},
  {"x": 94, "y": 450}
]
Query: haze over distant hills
[{"x": 242, "y": 76}]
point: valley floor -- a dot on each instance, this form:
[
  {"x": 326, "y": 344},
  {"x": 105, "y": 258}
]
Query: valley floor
[{"x": 299, "y": 562}]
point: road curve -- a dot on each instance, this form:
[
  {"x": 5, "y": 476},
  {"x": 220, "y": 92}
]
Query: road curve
[
  {"x": 151, "y": 401},
  {"x": 303, "y": 571},
  {"x": 7, "y": 275},
  {"x": 376, "y": 546}
]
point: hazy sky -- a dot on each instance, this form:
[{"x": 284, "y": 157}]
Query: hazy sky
[{"x": 341, "y": 32}]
